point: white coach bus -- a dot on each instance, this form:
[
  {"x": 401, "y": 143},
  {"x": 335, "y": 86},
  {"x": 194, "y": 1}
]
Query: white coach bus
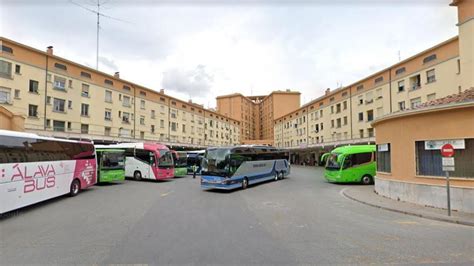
[{"x": 35, "y": 168}]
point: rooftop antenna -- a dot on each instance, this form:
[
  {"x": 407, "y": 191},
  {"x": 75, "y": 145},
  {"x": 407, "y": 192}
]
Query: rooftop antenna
[
  {"x": 399, "y": 56},
  {"x": 99, "y": 14}
]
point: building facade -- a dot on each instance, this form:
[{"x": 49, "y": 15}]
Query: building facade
[
  {"x": 61, "y": 98},
  {"x": 257, "y": 113}
]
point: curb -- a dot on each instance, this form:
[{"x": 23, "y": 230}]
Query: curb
[{"x": 431, "y": 217}]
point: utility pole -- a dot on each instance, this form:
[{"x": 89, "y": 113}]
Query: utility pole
[{"x": 97, "y": 48}]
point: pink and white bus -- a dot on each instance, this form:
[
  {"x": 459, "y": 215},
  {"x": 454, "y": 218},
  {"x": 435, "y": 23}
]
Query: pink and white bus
[
  {"x": 146, "y": 160},
  {"x": 35, "y": 168}
]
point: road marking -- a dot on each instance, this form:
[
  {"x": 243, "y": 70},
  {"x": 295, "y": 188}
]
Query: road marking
[{"x": 166, "y": 193}]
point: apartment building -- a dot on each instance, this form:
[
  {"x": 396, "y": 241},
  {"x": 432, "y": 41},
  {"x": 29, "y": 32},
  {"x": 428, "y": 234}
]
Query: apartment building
[
  {"x": 257, "y": 113},
  {"x": 344, "y": 115},
  {"x": 61, "y": 98}
]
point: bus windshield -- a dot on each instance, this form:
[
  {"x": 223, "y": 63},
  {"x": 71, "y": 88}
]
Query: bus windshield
[
  {"x": 180, "y": 159},
  {"x": 166, "y": 159},
  {"x": 216, "y": 162},
  {"x": 333, "y": 161},
  {"x": 113, "y": 160}
]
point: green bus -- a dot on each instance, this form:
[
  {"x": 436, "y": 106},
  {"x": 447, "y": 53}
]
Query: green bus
[
  {"x": 324, "y": 158},
  {"x": 110, "y": 165},
  {"x": 180, "y": 159},
  {"x": 351, "y": 164}
]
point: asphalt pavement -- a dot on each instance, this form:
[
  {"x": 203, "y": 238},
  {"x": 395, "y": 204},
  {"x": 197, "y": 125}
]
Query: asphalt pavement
[{"x": 299, "y": 220}]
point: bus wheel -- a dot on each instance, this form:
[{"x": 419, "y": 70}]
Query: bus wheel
[
  {"x": 277, "y": 176},
  {"x": 75, "y": 188},
  {"x": 245, "y": 183},
  {"x": 281, "y": 175},
  {"x": 137, "y": 175},
  {"x": 366, "y": 180}
]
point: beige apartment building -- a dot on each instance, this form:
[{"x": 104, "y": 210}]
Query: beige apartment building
[
  {"x": 344, "y": 116},
  {"x": 257, "y": 113},
  {"x": 58, "y": 97}
]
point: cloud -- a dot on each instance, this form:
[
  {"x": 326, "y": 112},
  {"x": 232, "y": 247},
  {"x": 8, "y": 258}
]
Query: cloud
[
  {"x": 188, "y": 81},
  {"x": 109, "y": 63}
]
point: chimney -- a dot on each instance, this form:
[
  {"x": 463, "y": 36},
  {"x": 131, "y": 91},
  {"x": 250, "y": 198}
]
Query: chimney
[
  {"x": 328, "y": 90},
  {"x": 49, "y": 50},
  {"x": 117, "y": 75},
  {"x": 190, "y": 101},
  {"x": 162, "y": 91}
]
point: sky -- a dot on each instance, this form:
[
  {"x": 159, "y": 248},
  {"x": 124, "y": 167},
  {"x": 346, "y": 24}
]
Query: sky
[{"x": 204, "y": 48}]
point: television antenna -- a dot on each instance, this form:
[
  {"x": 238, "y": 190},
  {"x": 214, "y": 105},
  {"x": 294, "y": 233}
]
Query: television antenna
[{"x": 99, "y": 14}]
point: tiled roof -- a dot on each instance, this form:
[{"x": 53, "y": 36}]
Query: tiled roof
[{"x": 465, "y": 96}]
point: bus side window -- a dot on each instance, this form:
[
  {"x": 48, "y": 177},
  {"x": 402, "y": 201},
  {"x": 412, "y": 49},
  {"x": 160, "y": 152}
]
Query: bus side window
[
  {"x": 347, "y": 161},
  {"x": 362, "y": 158},
  {"x": 152, "y": 159}
]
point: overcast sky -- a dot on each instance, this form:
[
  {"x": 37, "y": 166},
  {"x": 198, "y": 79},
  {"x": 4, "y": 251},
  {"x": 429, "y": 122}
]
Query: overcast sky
[{"x": 203, "y": 48}]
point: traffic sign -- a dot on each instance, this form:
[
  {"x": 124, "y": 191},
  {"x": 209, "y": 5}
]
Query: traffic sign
[
  {"x": 447, "y": 150},
  {"x": 448, "y": 164}
]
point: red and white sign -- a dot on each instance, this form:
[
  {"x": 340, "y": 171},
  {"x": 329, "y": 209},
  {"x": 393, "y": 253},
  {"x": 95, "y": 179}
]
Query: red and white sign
[{"x": 447, "y": 150}]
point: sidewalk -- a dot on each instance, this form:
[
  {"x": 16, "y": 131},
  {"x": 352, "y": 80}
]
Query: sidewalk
[{"x": 366, "y": 195}]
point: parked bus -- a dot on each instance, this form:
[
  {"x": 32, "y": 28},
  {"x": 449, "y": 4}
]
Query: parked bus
[
  {"x": 110, "y": 165},
  {"x": 234, "y": 167},
  {"x": 35, "y": 168},
  {"x": 351, "y": 164},
  {"x": 146, "y": 160},
  {"x": 180, "y": 163},
  {"x": 195, "y": 158}
]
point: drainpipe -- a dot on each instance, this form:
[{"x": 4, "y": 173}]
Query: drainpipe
[
  {"x": 390, "y": 87},
  {"x": 134, "y": 112},
  {"x": 46, "y": 89},
  {"x": 169, "y": 121},
  {"x": 350, "y": 110}
]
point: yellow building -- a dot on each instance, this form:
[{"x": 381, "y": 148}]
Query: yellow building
[
  {"x": 256, "y": 113},
  {"x": 344, "y": 116},
  {"x": 61, "y": 98}
]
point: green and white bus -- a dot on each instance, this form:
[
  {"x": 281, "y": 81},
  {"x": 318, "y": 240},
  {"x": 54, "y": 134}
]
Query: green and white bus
[
  {"x": 351, "y": 164},
  {"x": 180, "y": 163},
  {"x": 110, "y": 165}
]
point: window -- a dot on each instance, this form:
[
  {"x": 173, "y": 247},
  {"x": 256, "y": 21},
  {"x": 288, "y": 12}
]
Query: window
[
  {"x": 361, "y": 133},
  {"x": 378, "y": 94},
  {"x": 383, "y": 158},
  {"x": 184, "y": 128},
  {"x": 414, "y": 103},
  {"x": 459, "y": 66},
  {"x": 428, "y": 160},
  {"x": 33, "y": 110},
  {"x": 33, "y": 86},
  {"x": 361, "y": 117},
  {"x": 84, "y": 129},
  {"x": 429, "y": 58},
  {"x": 17, "y": 94},
  {"x": 108, "y": 96},
  {"x": 359, "y": 158},
  {"x": 85, "y": 90},
  {"x": 108, "y": 114},
  {"x": 107, "y": 131},
  {"x": 430, "y": 76},
  {"x": 370, "y": 132},
  {"x": 173, "y": 126},
  {"x": 332, "y": 123},
  {"x": 17, "y": 69},
  {"x": 415, "y": 82},
  {"x": 401, "y": 85},
  {"x": 370, "y": 115},
  {"x": 69, "y": 104},
  {"x": 338, "y": 108},
  {"x": 360, "y": 99},
  {"x": 369, "y": 97},
  {"x": 152, "y": 129},
  {"x": 126, "y": 117},
  {"x": 6, "y": 49},
  {"x": 400, "y": 71},
  {"x": 108, "y": 82},
  {"x": 378, "y": 80},
  {"x": 60, "y": 66},
  {"x": 69, "y": 126},
  {"x": 126, "y": 88},
  {"x": 85, "y": 75},
  {"x": 338, "y": 123},
  {"x": 345, "y": 120},
  {"x": 126, "y": 101},
  {"x": 47, "y": 123},
  {"x": 59, "y": 83},
  {"x": 360, "y": 87},
  {"x": 431, "y": 97},
  {"x": 173, "y": 113},
  {"x": 142, "y": 120},
  {"x": 153, "y": 114},
  {"x": 5, "y": 69},
  {"x": 84, "y": 109},
  {"x": 401, "y": 105},
  {"x": 332, "y": 109},
  {"x": 48, "y": 100},
  {"x": 142, "y": 104},
  {"x": 58, "y": 126},
  {"x": 58, "y": 105},
  {"x": 142, "y": 93},
  {"x": 331, "y": 99},
  {"x": 344, "y": 94},
  {"x": 162, "y": 123},
  {"x": 344, "y": 105}
]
